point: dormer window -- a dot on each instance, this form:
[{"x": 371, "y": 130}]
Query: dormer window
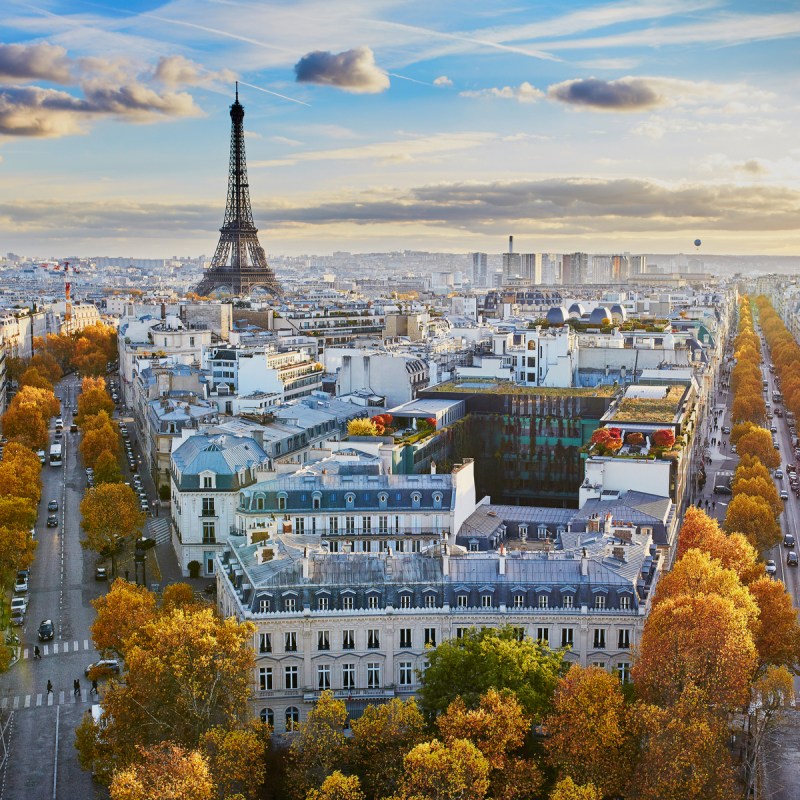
[
  {"x": 416, "y": 497},
  {"x": 281, "y": 502},
  {"x": 437, "y": 499},
  {"x": 316, "y": 501},
  {"x": 259, "y": 503},
  {"x": 383, "y": 498},
  {"x": 349, "y": 499},
  {"x": 208, "y": 481},
  {"x": 600, "y": 602}
]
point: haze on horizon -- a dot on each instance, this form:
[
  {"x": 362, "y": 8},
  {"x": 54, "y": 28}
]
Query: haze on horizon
[{"x": 375, "y": 126}]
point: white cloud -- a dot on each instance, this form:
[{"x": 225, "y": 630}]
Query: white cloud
[
  {"x": 353, "y": 70},
  {"x": 180, "y": 71},
  {"x": 442, "y": 80},
  {"x": 524, "y": 93}
]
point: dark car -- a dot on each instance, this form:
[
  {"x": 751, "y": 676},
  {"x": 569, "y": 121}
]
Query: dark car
[
  {"x": 52, "y": 521},
  {"x": 791, "y": 558},
  {"x": 52, "y": 505},
  {"x": 100, "y": 574},
  {"x": 46, "y": 630},
  {"x": 17, "y": 617},
  {"x": 726, "y": 429},
  {"x": 103, "y": 666},
  {"x": 788, "y": 540},
  {"x": 722, "y": 489}
]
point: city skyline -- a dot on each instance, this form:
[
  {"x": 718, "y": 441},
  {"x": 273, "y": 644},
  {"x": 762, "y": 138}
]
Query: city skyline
[{"x": 380, "y": 126}]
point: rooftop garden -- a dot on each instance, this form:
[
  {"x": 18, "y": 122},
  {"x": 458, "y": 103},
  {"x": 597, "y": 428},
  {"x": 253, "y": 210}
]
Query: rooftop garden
[
  {"x": 645, "y": 409},
  {"x": 479, "y": 386}
]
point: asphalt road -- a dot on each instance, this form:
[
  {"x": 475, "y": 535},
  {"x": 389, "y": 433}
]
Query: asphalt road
[{"x": 42, "y": 761}]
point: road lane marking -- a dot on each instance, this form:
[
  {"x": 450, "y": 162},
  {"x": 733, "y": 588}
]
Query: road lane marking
[
  {"x": 75, "y": 647},
  {"x": 55, "y": 649},
  {"x": 16, "y": 703},
  {"x": 27, "y": 701},
  {"x": 85, "y": 644},
  {"x": 60, "y": 697},
  {"x": 38, "y": 699},
  {"x": 50, "y": 698}
]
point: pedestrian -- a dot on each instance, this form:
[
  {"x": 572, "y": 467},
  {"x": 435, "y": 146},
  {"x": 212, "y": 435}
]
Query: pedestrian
[
  {"x": 94, "y": 687},
  {"x": 714, "y": 505},
  {"x": 127, "y": 572},
  {"x": 76, "y": 687},
  {"x": 49, "y": 687},
  {"x": 36, "y": 653}
]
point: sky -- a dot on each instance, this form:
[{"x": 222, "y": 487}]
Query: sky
[{"x": 377, "y": 125}]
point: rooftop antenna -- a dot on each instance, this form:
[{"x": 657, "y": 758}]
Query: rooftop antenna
[{"x": 237, "y": 91}]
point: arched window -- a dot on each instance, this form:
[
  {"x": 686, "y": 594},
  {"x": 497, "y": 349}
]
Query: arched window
[
  {"x": 259, "y": 503},
  {"x": 349, "y": 499},
  {"x": 292, "y": 718},
  {"x": 437, "y": 499},
  {"x": 383, "y": 498},
  {"x": 268, "y": 716},
  {"x": 415, "y": 499}
]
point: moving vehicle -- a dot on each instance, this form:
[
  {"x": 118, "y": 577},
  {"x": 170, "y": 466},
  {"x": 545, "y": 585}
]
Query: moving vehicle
[
  {"x": 52, "y": 505},
  {"x": 104, "y": 665},
  {"x": 779, "y": 474},
  {"x": 791, "y": 558},
  {"x": 59, "y": 423},
  {"x": 100, "y": 574},
  {"x": 42, "y": 456},
  {"x": 46, "y": 630},
  {"x": 788, "y": 540},
  {"x": 55, "y": 455},
  {"x": 52, "y": 521},
  {"x": 784, "y": 494},
  {"x": 770, "y": 567},
  {"x": 722, "y": 489}
]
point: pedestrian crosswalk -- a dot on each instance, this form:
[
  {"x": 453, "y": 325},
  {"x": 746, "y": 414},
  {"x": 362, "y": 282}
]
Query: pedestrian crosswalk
[
  {"x": 57, "y": 648},
  {"x": 23, "y": 701}
]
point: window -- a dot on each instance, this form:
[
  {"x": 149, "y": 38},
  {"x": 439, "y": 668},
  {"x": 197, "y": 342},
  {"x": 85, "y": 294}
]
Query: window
[
  {"x": 406, "y": 673},
  {"x": 209, "y": 533},
  {"x": 349, "y": 524},
  {"x": 349, "y": 499},
  {"x": 544, "y": 601},
  {"x": 405, "y": 600},
  {"x": 625, "y": 602},
  {"x": 600, "y": 601},
  {"x": 598, "y": 664},
  {"x": 323, "y": 603},
  {"x": 268, "y": 716},
  {"x": 568, "y": 600},
  {"x": 543, "y": 635},
  {"x": 333, "y": 525},
  {"x": 348, "y": 676},
  {"x": 373, "y": 675},
  {"x": 416, "y": 546},
  {"x": 460, "y": 633},
  {"x": 624, "y": 672},
  {"x": 400, "y": 546},
  {"x": 599, "y": 638},
  {"x": 366, "y": 524},
  {"x": 289, "y": 604},
  {"x": 299, "y": 525},
  {"x": 567, "y": 637},
  {"x": 281, "y": 503},
  {"x": 624, "y": 638},
  {"x": 259, "y": 503},
  {"x": 519, "y": 601},
  {"x": 347, "y": 602},
  {"x": 290, "y": 642},
  {"x": 486, "y": 601},
  {"x": 264, "y": 642},
  {"x": 208, "y": 482},
  {"x": 332, "y": 546},
  {"x": 519, "y": 633},
  {"x": 405, "y": 637},
  {"x": 372, "y": 601},
  {"x": 348, "y": 640},
  {"x": 292, "y": 718},
  {"x": 265, "y": 679},
  {"x": 415, "y": 499},
  {"x": 383, "y": 525},
  {"x": 263, "y": 605},
  {"x": 323, "y": 640},
  {"x": 323, "y": 676},
  {"x": 430, "y": 637},
  {"x": 373, "y": 639},
  {"x": 462, "y": 601},
  {"x": 208, "y": 507},
  {"x": 430, "y": 601},
  {"x": 315, "y": 502},
  {"x": 473, "y": 547},
  {"x": 290, "y": 677}
]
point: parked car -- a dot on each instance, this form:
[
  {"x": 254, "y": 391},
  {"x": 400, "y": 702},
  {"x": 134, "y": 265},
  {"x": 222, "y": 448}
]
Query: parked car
[
  {"x": 791, "y": 558},
  {"x": 100, "y": 574},
  {"x": 52, "y": 521},
  {"x": 726, "y": 429},
  {"x": 42, "y": 456},
  {"x": 722, "y": 489},
  {"x": 46, "y": 630},
  {"x": 52, "y": 505},
  {"x": 770, "y": 567},
  {"x": 19, "y": 604},
  {"x": 103, "y": 666},
  {"x": 17, "y": 617},
  {"x": 21, "y": 584}
]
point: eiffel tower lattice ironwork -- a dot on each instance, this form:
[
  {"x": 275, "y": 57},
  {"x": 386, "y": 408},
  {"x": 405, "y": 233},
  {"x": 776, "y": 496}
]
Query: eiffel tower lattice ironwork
[{"x": 239, "y": 263}]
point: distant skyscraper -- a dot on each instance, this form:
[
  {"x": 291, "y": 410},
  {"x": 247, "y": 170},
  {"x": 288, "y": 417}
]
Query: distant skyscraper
[
  {"x": 574, "y": 268},
  {"x": 480, "y": 269},
  {"x": 551, "y": 269},
  {"x": 247, "y": 267},
  {"x": 524, "y": 267},
  {"x": 638, "y": 265}
]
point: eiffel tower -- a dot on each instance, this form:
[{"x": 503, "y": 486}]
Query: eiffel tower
[{"x": 238, "y": 239}]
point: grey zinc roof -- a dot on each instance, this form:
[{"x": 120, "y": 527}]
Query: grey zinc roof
[
  {"x": 637, "y": 507},
  {"x": 218, "y": 453}
]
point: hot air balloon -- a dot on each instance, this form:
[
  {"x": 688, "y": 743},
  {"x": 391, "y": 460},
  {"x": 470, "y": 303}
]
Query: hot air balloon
[{"x": 697, "y": 243}]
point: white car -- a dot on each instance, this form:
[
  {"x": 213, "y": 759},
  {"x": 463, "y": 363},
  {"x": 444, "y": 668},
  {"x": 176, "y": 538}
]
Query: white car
[
  {"x": 770, "y": 567},
  {"x": 21, "y": 584},
  {"x": 59, "y": 423},
  {"x": 19, "y": 603}
]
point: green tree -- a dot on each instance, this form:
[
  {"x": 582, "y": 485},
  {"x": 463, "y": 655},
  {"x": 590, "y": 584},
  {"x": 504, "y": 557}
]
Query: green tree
[{"x": 490, "y": 659}]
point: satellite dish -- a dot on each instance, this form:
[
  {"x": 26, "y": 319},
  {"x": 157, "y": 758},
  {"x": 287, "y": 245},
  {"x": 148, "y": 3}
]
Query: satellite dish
[{"x": 697, "y": 243}]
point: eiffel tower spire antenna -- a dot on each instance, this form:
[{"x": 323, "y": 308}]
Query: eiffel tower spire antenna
[{"x": 239, "y": 263}]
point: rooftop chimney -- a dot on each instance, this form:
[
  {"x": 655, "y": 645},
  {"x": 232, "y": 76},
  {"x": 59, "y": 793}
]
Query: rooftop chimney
[
  {"x": 502, "y": 561},
  {"x": 584, "y": 564},
  {"x": 510, "y": 244},
  {"x": 446, "y": 560},
  {"x": 306, "y": 565}
]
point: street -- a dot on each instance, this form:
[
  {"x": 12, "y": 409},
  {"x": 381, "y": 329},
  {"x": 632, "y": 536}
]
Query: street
[{"x": 42, "y": 761}]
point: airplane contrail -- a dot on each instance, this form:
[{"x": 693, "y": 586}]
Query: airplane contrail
[
  {"x": 277, "y": 94},
  {"x": 406, "y": 78}
]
